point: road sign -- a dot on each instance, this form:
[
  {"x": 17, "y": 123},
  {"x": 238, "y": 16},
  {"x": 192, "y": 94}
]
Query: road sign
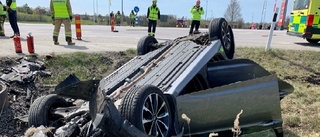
[{"x": 136, "y": 9}]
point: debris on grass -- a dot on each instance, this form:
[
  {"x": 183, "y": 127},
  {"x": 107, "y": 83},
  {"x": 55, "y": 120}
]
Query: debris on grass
[{"x": 236, "y": 128}]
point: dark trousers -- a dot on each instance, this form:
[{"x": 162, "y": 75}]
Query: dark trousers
[
  {"x": 13, "y": 21},
  {"x": 153, "y": 24},
  {"x": 195, "y": 23},
  {"x": 132, "y": 22}
]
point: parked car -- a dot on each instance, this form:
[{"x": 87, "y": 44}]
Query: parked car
[{"x": 155, "y": 93}]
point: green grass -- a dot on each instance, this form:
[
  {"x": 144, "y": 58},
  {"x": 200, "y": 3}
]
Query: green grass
[
  {"x": 85, "y": 66},
  {"x": 301, "y": 109}
]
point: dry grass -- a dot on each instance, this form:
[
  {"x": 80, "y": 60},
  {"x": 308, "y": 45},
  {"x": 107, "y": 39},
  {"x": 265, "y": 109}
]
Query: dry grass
[
  {"x": 188, "y": 120},
  {"x": 301, "y": 109},
  {"x": 40, "y": 131},
  {"x": 236, "y": 128}
]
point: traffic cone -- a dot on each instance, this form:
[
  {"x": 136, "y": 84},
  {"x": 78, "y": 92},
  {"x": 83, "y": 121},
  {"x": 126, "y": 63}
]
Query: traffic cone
[{"x": 112, "y": 25}]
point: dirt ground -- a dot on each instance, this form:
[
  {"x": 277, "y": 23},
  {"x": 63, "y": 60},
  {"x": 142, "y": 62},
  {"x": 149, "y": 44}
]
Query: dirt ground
[{"x": 19, "y": 104}]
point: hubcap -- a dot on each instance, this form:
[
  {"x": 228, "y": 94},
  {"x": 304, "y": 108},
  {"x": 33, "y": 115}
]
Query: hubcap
[
  {"x": 226, "y": 37},
  {"x": 155, "y": 116}
]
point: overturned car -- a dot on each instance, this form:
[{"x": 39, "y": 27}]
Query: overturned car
[{"x": 189, "y": 86}]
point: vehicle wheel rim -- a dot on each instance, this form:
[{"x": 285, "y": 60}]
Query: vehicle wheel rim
[
  {"x": 155, "y": 116},
  {"x": 226, "y": 37}
]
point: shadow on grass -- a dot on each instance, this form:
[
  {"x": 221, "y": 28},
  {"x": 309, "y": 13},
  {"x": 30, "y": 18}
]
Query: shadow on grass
[
  {"x": 315, "y": 45},
  {"x": 312, "y": 78},
  {"x": 288, "y": 133}
]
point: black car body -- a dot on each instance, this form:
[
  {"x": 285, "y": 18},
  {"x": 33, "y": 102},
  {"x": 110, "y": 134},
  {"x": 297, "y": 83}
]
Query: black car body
[{"x": 195, "y": 76}]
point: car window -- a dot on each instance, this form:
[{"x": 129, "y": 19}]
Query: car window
[{"x": 301, "y": 4}]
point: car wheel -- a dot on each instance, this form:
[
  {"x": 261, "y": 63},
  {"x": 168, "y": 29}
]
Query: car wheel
[
  {"x": 313, "y": 41},
  {"x": 40, "y": 112},
  {"x": 148, "y": 109},
  {"x": 220, "y": 29},
  {"x": 145, "y": 45}
]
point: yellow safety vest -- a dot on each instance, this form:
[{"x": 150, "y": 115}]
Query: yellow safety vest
[
  {"x": 118, "y": 16},
  {"x": 153, "y": 13},
  {"x": 132, "y": 16},
  {"x": 60, "y": 9},
  {"x": 13, "y": 5},
  {"x": 196, "y": 15},
  {"x": 2, "y": 12}
]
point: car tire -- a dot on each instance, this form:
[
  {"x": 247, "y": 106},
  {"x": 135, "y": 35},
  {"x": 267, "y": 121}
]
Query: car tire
[
  {"x": 39, "y": 112},
  {"x": 313, "y": 41},
  {"x": 138, "y": 106},
  {"x": 145, "y": 45},
  {"x": 220, "y": 29}
]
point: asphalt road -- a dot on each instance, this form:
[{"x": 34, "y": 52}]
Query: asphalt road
[{"x": 97, "y": 38}]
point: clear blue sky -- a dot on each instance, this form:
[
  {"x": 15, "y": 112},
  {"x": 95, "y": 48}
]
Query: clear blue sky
[{"x": 251, "y": 9}]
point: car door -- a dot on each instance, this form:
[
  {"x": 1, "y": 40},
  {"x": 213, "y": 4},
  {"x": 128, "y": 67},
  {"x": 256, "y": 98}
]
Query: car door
[{"x": 234, "y": 86}]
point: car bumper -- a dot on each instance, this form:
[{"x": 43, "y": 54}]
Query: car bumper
[{"x": 296, "y": 34}]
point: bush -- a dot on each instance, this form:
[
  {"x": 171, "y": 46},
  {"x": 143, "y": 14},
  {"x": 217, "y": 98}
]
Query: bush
[{"x": 33, "y": 17}]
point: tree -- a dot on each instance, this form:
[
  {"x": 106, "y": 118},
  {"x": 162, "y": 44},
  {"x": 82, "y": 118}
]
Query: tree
[
  {"x": 233, "y": 12},
  {"x": 240, "y": 23},
  {"x": 25, "y": 9}
]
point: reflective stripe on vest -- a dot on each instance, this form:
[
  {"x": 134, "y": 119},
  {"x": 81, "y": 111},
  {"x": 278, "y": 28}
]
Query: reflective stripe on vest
[
  {"x": 2, "y": 12},
  {"x": 13, "y": 5},
  {"x": 60, "y": 9},
  {"x": 153, "y": 13}
]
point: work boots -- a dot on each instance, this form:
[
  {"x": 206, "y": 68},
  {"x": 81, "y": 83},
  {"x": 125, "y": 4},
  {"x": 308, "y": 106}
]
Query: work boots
[
  {"x": 69, "y": 40},
  {"x": 55, "y": 40}
]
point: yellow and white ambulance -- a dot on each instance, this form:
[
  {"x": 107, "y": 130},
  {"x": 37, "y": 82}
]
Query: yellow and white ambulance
[{"x": 305, "y": 20}]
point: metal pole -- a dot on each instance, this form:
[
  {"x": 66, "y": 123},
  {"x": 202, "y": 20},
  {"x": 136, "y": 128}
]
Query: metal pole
[
  {"x": 121, "y": 12},
  {"x": 206, "y": 9},
  {"x": 272, "y": 29},
  {"x": 109, "y": 4},
  {"x": 94, "y": 13},
  {"x": 97, "y": 11},
  {"x": 263, "y": 12}
]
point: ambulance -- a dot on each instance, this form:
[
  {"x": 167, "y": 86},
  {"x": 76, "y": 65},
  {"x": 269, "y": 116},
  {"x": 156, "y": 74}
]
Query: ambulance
[{"x": 304, "y": 21}]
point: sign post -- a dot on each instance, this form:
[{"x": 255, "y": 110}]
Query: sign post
[
  {"x": 272, "y": 29},
  {"x": 136, "y": 10}
]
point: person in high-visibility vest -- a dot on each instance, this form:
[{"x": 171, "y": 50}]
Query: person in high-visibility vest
[
  {"x": 153, "y": 16},
  {"x": 61, "y": 12},
  {"x": 2, "y": 18},
  {"x": 12, "y": 13},
  {"x": 118, "y": 18},
  {"x": 196, "y": 12},
  {"x": 132, "y": 18}
]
